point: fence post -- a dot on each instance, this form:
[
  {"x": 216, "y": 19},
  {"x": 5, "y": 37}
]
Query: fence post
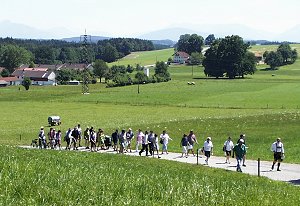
[
  {"x": 20, "y": 137},
  {"x": 258, "y": 169},
  {"x": 197, "y": 156}
]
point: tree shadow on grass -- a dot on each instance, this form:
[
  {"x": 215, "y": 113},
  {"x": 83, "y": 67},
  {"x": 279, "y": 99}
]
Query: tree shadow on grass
[
  {"x": 269, "y": 69},
  {"x": 220, "y": 78}
]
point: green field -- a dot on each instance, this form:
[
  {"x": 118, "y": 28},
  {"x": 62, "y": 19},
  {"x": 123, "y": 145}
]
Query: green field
[
  {"x": 263, "y": 106},
  {"x": 145, "y": 58},
  {"x": 38, "y": 177}
]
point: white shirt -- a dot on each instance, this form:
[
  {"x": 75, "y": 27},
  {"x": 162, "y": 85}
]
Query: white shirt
[
  {"x": 228, "y": 145},
  {"x": 208, "y": 146},
  {"x": 145, "y": 139},
  {"x": 165, "y": 137},
  {"x": 277, "y": 147}
]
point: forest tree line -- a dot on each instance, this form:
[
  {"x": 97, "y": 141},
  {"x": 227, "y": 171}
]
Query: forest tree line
[{"x": 58, "y": 52}]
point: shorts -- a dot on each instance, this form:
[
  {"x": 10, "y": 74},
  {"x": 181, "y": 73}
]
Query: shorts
[
  {"x": 184, "y": 149},
  {"x": 165, "y": 147},
  {"x": 207, "y": 153},
  {"x": 277, "y": 156},
  {"x": 190, "y": 146},
  {"x": 228, "y": 153}
]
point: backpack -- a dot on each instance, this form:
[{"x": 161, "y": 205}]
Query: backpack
[{"x": 161, "y": 141}]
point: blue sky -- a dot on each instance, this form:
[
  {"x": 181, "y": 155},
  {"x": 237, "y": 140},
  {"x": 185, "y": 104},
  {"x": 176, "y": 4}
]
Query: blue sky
[{"x": 133, "y": 17}]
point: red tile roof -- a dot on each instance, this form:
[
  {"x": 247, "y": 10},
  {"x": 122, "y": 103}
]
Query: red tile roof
[
  {"x": 182, "y": 54},
  {"x": 10, "y": 79}
]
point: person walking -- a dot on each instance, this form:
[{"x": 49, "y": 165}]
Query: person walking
[
  {"x": 144, "y": 144},
  {"x": 129, "y": 138},
  {"x": 208, "y": 149},
  {"x": 80, "y": 135},
  {"x": 122, "y": 139},
  {"x": 278, "y": 150},
  {"x": 156, "y": 145},
  {"x": 227, "y": 148},
  {"x": 42, "y": 139},
  {"x": 239, "y": 151},
  {"x": 184, "y": 144},
  {"x": 139, "y": 138},
  {"x": 86, "y": 135},
  {"x": 192, "y": 140},
  {"x": 68, "y": 138},
  {"x": 115, "y": 138},
  {"x": 242, "y": 136},
  {"x": 75, "y": 137},
  {"x": 93, "y": 139},
  {"x": 58, "y": 139},
  {"x": 165, "y": 141},
  {"x": 151, "y": 142}
]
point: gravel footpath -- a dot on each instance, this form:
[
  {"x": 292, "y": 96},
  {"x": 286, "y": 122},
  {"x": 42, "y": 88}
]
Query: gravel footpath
[{"x": 289, "y": 172}]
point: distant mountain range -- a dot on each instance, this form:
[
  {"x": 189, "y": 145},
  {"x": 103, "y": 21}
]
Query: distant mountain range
[{"x": 166, "y": 36}]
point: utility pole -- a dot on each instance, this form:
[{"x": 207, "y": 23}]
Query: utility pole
[{"x": 85, "y": 40}]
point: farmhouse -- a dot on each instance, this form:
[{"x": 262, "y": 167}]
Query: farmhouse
[
  {"x": 180, "y": 57},
  {"x": 259, "y": 57},
  {"x": 11, "y": 80},
  {"x": 38, "y": 76}
]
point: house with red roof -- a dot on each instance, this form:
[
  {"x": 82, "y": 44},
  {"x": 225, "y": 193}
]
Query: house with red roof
[
  {"x": 38, "y": 76},
  {"x": 11, "y": 80},
  {"x": 180, "y": 57}
]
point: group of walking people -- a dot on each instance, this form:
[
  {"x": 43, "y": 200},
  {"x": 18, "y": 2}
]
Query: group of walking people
[{"x": 149, "y": 142}]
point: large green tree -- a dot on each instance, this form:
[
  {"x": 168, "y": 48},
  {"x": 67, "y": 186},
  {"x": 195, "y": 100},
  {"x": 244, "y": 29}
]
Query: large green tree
[
  {"x": 161, "y": 72},
  {"x": 289, "y": 56},
  {"x": 12, "y": 56},
  {"x": 100, "y": 68},
  {"x": 248, "y": 65},
  {"x": 274, "y": 59},
  {"x": 196, "y": 58},
  {"x": 211, "y": 62},
  {"x": 45, "y": 55},
  {"x": 209, "y": 39},
  {"x": 190, "y": 43},
  {"x": 110, "y": 53},
  {"x": 26, "y": 83},
  {"x": 229, "y": 57}
]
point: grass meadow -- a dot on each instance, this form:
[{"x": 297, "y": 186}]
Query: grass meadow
[
  {"x": 263, "y": 106},
  {"x": 38, "y": 177}
]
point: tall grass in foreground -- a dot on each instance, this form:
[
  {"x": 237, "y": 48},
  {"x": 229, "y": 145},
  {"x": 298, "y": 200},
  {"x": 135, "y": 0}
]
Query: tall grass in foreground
[{"x": 39, "y": 177}]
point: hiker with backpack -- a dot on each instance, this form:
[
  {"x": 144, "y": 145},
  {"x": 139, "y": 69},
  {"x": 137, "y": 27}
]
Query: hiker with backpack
[{"x": 239, "y": 151}]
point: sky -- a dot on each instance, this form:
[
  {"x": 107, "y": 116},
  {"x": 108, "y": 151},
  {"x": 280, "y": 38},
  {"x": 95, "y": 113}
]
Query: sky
[{"x": 134, "y": 17}]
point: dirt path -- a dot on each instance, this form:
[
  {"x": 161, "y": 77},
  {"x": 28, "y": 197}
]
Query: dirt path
[{"x": 289, "y": 172}]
